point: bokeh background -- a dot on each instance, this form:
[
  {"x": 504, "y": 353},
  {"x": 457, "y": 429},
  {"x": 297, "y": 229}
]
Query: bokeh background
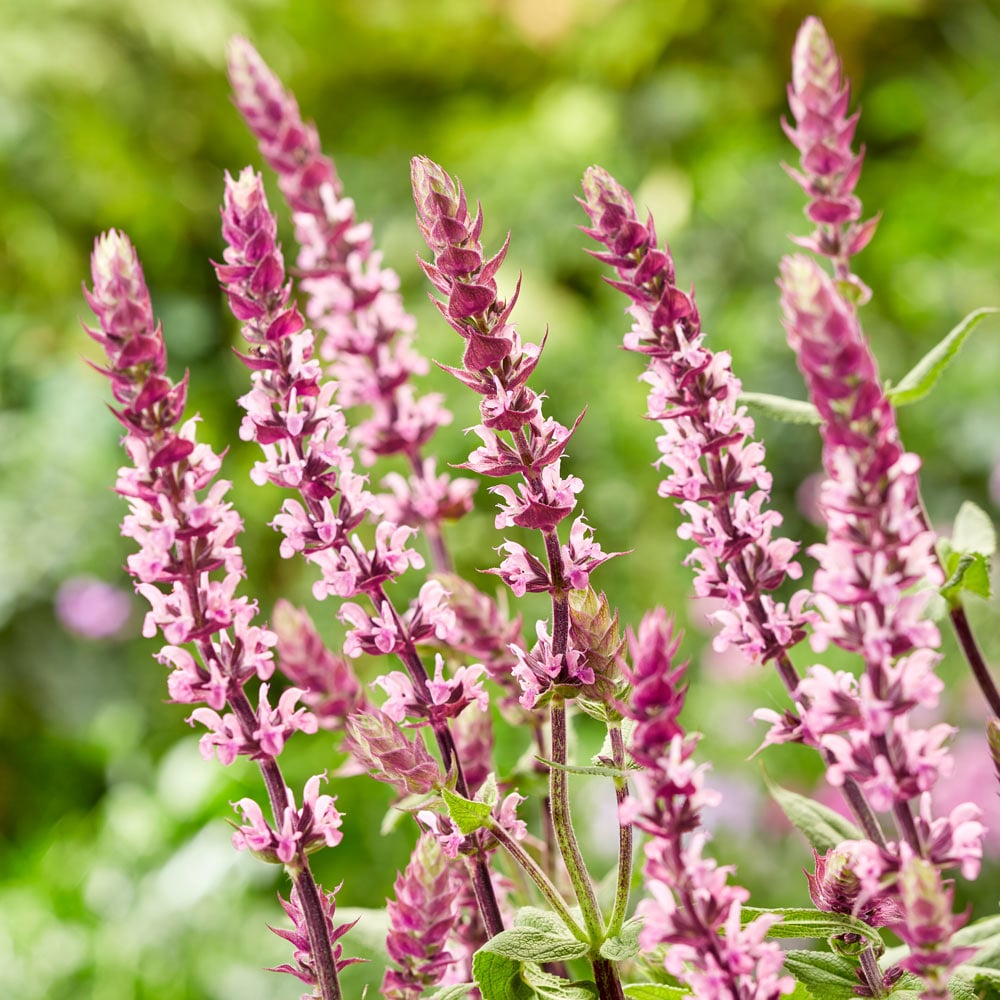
[{"x": 117, "y": 879}]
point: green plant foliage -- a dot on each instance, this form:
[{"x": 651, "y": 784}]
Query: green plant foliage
[
  {"x": 116, "y": 113},
  {"x": 821, "y": 826}
]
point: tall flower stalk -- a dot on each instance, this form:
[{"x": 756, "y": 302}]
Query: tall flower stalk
[
  {"x": 355, "y": 302},
  {"x": 446, "y": 930},
  {"x": 518, "y": 440},
  {"x": 692, "y": 909},
  {"x": 188, "y": 567},
  {"x": 818, "y": 96},
  {"x": 878, "y": 565},
  {"x": 290, "y": 413}
]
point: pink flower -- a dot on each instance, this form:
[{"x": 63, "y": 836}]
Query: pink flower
[
  {"x": 92, "y": 608},
  {"x": 300, "y": 830},
  {"x": 445, "y": 698}
]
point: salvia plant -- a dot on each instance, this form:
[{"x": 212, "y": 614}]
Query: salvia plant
[{"x": 486, "y": 907}]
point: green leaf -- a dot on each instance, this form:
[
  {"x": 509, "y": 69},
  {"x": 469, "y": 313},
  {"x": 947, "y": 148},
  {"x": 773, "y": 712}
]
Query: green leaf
[
  {"x": 822, "y": 827},
  {"x": 808, "y": 923},
  {"x": 537, "y": 936},
  {"x": 499, "y": 977},
  {"x": 967, "y": 554},
  {"x": 471, "y": 814},
  {"x": 549, "y": 987},
  {"x": 655, "y": 991},
  {"x": 974, "y": 531},
  {"x": 789, "y": 411},
  {"x": 923, "y": 376},
  {"x": 457, "y": 992},
  {"x": 825, "y": 976},
  {"x": 600, "y": 770},
  {"x": 625, "y": 944}
]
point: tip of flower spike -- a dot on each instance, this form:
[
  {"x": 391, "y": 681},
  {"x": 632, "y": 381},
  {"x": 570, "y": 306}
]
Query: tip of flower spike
[
  {"x": 245, "y": 191},
  {"x": 599, "y": 186},
  {"x": 429, "y": 178},
  {"x": 814, "y": 59},
  {"x": 114, "y": 256},
  {"x": 244, "y": 63}
]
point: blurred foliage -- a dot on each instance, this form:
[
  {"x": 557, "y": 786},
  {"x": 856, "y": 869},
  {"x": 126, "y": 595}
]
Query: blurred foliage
[{"x": 118, "y": 880}]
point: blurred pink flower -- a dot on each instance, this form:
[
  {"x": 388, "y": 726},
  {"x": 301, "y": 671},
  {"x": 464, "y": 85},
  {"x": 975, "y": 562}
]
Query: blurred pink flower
[
  {"x": 91, "y": 608},
  {"x": 972, "y": 776},
  {"x": 807, "y": 499}
]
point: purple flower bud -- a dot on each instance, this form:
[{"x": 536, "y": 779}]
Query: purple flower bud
[
  {"x": 420, "y": 919},
  {"x": 847, "y": 880},
  {"x": 927, "y": 925},
  {"x": 383, "y": 750}
]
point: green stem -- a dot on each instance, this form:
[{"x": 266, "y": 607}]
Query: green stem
[
  {"x": 624, "y": 835},
  {"x": 562, "y": 821},
  {"x": 541, "y": 880}
]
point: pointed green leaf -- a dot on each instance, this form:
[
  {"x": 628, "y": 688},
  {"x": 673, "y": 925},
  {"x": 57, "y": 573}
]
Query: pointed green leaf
[
  {"x": 923, "y": 376},
  {"x": 499, "y": 977},
  {"x": 808, "y": 923},
  {"x": 821, "y": 826},
  {"x": 789, "y": 411},
  {"x": 625, "y": 944},
  {"x": 655, "y": 991},
  {"x": 467, "y": 815},
  {"x": 974, "y": 531},
  {"x": 825, "y": 976},
  {"x": 457, "y": 992},
  {"x": 600, "y": 770}
]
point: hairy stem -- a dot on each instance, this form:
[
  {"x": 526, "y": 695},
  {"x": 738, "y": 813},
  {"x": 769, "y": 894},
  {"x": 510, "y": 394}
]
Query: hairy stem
[
  {"x": 624, "y": 835},
  {"x": 541, "y": 880},
  {"x": 562, "y": 820},
  {"x": 324, "y": 964}
]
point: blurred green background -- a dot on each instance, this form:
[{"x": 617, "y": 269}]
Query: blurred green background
[{"x": 117, "y": 879}]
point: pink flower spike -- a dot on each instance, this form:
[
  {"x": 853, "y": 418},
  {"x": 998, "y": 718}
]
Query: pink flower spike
[
  {"x": 420, "y": 919},
  {"x": 818, "y": 97},
  {"x": 717, "y": 476},
  {"x": 351, "y": 297}
]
